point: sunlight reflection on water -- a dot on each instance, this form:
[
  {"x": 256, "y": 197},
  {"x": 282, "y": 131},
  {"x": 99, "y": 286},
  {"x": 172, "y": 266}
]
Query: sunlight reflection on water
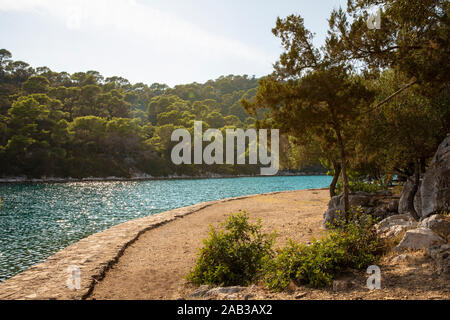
[{"x": 37, "y": 220}]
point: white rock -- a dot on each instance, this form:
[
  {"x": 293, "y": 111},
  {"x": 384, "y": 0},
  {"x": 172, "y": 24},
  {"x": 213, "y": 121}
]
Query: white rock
[
  {"x": 394, "y": 225},
  {"x": 200, "y": 292},
  {"x": 396, "y": 230},
  {"x": 435, "y": 188},
  {"x": 223, "y": 290},
  {"x": 441, "y": 257},
  {"x": 437, "y": 224},
  {"x": 419, "y": 238}
]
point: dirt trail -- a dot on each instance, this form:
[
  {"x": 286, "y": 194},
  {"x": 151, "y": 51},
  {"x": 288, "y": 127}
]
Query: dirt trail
[{"x": 155, "y": 265}]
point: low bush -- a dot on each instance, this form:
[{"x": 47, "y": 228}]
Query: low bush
[
  {"x": 233, "y": 256},
  {"x": 360, "y": 185},
  {"x": 241, "y": 254},
  {"x": 353, "y": 244}
]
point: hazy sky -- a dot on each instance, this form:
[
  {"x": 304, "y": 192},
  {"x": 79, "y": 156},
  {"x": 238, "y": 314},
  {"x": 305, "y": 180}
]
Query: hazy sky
[{"x": 166, "y": 41}]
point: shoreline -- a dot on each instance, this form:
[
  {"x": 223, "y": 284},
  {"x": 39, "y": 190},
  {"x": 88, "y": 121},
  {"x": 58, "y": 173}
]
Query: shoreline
[
  {"x": 148, "y": 258},
  {"x": 16, "y": 180},
  {"x": 95, "y": 255}
]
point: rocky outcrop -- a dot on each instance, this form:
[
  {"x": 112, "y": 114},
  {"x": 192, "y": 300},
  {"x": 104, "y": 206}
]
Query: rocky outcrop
[
  {"x": 441, "y": 257},
  {"x": 395, "y": 225},
  {"x": 223, "y": 290},
  {"x": 205, "y": 291},
  {"x": 431, "y": 231},
  {"x": 439, "y": 224},
  {"x": 420, "y": 238},
  {"x": 380, "y": 204},
  {"x": 435, "y": 188},
  {"x": 433, "y": 194},
  {"x": 200, "y": 292}
]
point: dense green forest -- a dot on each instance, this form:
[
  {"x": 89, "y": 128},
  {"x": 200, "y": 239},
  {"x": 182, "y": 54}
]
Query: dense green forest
[{"x": 82, "y": 124}]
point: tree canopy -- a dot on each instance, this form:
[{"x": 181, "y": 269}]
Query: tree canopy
[
  {"x": 81, "y": 125},
  {"x": 370, "y": 103}
]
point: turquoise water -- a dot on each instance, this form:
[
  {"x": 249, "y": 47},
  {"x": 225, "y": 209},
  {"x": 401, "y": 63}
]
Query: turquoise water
[{"x": 37, "y": 220}]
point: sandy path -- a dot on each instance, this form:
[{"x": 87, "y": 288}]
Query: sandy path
[{"x": 155, "y": 265}]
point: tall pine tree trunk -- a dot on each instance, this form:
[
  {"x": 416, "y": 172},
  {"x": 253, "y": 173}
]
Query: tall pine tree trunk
[
  {"x": 337, "y": 173},
  {"x": 413, "y": 192},
  {"x": 344, "y": 170}
]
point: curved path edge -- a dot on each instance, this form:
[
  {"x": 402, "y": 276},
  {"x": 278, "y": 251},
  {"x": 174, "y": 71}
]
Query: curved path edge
[{"x": 93, "y": 255}]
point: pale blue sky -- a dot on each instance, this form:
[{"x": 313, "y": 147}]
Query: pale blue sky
[{"x": 166, "y": 41}]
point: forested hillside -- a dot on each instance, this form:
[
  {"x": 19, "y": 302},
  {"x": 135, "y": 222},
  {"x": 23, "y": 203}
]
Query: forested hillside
[{"x": 82, "y": 124}]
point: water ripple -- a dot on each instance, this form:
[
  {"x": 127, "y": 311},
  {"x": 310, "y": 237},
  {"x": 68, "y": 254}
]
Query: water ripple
[{"x": 37, "y": 220}]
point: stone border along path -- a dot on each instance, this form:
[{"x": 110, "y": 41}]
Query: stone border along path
[{"x": 94, "y": 255}]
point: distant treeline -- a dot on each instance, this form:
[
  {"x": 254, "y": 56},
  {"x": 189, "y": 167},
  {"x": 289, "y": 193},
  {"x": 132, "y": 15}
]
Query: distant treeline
[{"x": 82, "y": 124}]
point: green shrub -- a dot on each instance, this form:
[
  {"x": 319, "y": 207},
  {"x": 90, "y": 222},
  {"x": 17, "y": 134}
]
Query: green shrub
[
  {"x": 360, "y": 185},
  {"x": 233, "y": 256},
  {"x": 359, "y": 238},
  {"x": 352, "y": 245},
  {"x": 313, "y": 265}
]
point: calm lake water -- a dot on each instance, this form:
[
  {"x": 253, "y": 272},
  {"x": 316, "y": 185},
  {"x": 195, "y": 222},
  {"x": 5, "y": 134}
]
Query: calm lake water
[{"x": 37, "y": 220}]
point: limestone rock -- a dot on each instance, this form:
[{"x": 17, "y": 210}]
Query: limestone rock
[
  {"x": 380, "y": 204},
  {"x": 435, "y": 188},
  {"x": 334, "y": 211},
  {"x": 300, "y": 295},
  {"x": 200, "y": 292},
  {"x": 441, "y": 257},
  {"x": 394, "y": 231},
  {"x": 394, "y": 225},
  {"x": 420, "y": 238},
  {"x": 360, "y": 199},
  {"x": 223, "y": 290},
  {"x": 438, "y": 224}
]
